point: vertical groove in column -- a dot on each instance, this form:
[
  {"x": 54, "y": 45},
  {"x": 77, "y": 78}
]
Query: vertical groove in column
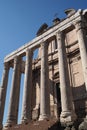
[
  {"x": 3, "y": 90},
  {"x": 26, "y": 108},
  {"x": 45, "y": 97},
  {"x": 15, "y": 90},
  {"x": 82, "y": 41},
  {"x": 66, "y": 101}
]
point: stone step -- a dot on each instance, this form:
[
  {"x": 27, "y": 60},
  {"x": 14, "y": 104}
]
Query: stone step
[
  {"x": 36, "y": 125},
  {"x": 51, "y": 124}
]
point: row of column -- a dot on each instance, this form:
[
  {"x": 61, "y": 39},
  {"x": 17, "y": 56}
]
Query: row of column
[
  {"x": 67, "y": 113},
  {"x": 15, "y": 89}
]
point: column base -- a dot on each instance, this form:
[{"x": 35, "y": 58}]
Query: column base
[
  {"x": 9, "y": 124},
  {"x": 25, "y": 121},
  {"x": 67, "y": 118},
  {"x": 83, "y": 125},
  {"x": 43, "y": 117}
]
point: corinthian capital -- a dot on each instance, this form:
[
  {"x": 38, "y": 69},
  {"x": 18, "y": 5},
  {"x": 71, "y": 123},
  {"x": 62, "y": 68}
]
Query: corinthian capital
[
  {"x": 59, "y": 35},
  {"x": 79, "y": 25},
  {"x": 6, "y": 65}
]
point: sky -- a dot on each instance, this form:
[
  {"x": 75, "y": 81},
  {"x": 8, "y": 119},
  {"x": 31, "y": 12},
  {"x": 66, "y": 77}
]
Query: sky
[{"x": 21, "y": 19}]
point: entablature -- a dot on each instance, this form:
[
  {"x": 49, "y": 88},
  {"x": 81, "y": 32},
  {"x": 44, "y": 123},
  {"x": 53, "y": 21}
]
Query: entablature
[{"x": 35, "y": 43}]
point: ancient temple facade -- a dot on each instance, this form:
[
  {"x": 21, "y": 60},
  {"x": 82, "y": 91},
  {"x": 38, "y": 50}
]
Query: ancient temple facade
[{"x": 55, "y": 83}]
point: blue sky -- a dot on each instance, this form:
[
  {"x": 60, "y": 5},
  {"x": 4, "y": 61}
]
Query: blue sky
[{"x": 20, "y": 20}]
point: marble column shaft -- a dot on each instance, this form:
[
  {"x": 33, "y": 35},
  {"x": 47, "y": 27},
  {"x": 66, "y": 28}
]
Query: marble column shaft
[
  {"x": 82, "y": 41},
  {"x": 26, "y": 108},
  {"x": 45, "y": 94},
  {"x": 15, "y": 92},
  {"x": 66, "y": 102},
  {"x": 3, "y": 90}
]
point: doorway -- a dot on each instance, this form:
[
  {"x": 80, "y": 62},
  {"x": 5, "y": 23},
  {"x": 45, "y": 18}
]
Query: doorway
[{"x": 58, "y": 97}]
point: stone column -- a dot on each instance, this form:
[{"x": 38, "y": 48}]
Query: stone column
[
  {"x": 66, "y": 102},
  {"x": 26, "y": 108},
  {"x": 3, "y": 90},
  {"x": 82, "y": 41},
  {"x": 44, "y": 90},
  {"x": 14, "y": 97}
]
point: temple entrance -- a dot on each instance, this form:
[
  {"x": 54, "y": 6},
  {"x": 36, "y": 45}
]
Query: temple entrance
[{"x": 58, "y": 97}]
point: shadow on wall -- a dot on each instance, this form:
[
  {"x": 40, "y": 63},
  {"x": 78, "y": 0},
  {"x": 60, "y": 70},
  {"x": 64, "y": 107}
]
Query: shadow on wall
[
  {"x": 79, "y": 97},
  {"x": 78, "y": 93}
]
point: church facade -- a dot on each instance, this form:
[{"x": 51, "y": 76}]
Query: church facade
[{"x": 55, "y": 82}]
